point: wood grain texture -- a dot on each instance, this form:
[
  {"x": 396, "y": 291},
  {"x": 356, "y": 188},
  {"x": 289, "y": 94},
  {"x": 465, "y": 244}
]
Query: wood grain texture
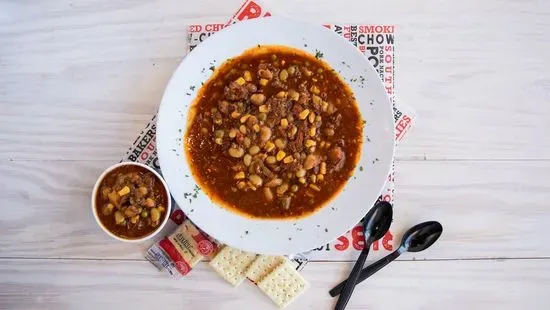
[
  {"x": 72, "y": 73},
  {"x": 79, "y": 79},
  {"x": 69, "y": 284},
  {"x": 488, "y": 209}
]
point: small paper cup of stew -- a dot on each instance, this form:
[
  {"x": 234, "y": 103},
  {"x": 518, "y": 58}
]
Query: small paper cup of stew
[{"x": 131, "y": 202}]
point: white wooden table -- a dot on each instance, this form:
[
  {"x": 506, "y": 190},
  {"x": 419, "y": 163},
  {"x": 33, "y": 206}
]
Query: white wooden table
[{"x": 79, "y": 79}]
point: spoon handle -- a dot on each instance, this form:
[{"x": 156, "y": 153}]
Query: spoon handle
[
  {"x": 367, "y": 272},
  {"x": 349, "y": 286}
]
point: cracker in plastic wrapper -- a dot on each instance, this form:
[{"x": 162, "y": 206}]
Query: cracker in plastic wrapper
[
  {"x": 283, "y": 285},
  {"x": 231, "y": 264},
  {"x": 179, "y": 252}
]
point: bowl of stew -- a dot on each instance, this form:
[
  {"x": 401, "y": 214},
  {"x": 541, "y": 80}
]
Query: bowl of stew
[
  {"x": 131, "y": 202},
  {"x": 275, "y": 136},
  {"x": 276, "y": 133}
]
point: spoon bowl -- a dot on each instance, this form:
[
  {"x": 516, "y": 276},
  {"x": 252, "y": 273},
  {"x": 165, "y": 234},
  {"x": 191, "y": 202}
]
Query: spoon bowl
[
  {"x": 421, "y": 236},
  {"x": 378, "y": 221}
]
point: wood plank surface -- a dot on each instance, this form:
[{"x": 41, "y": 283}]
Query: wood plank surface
[
  {"x": 74, "y": 284},
  {"x": 480, "y": 93},
  {"x": 488, "y": 209},
  {"x": 80, "y": 78}
]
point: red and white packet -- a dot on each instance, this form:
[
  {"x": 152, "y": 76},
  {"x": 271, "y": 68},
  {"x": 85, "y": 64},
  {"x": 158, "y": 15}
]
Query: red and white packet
[{"x": 377, "y": 43}]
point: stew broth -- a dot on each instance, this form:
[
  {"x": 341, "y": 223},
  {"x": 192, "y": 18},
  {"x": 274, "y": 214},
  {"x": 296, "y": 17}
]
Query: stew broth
[{"x": 275, "y": 133}]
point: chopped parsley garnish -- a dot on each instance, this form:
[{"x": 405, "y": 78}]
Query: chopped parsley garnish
[{"x": 318, "y": 54}]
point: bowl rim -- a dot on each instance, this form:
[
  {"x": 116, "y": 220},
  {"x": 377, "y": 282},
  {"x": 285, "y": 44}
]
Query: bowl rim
[{"x": 94, "y": 195}]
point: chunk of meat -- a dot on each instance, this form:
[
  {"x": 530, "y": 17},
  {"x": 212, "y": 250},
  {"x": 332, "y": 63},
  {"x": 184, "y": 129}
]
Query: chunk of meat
[
  {"x": 297, "y": 145},
  {"x": 337, "y": 157},
  {"x": 292, "y": 167},
  {"x": 265, "y": 73},
  {"x": 235, "y": 91},
  {"x": 336, "y": 154},
  {"x": 223, "y": 106},
  {"x": 278, "y": 84},
  {"x": 131, "y": 211},
  {"x": 304, "y": 94},
  {"x": 311, "y": 161},
  {"x": 279, "y": 108},
  {"x": 296, "y": 109},
  {"x": 238, "y": 167},
  {"x": 337, "y": 120}
]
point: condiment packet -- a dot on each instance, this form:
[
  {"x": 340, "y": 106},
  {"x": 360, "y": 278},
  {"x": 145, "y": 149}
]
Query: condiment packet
[{"x": 179, "y": 252}]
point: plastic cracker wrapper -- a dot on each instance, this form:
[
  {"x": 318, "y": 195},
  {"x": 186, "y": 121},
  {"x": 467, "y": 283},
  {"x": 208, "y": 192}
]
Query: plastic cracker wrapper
[{"x": 182, "y": 250}]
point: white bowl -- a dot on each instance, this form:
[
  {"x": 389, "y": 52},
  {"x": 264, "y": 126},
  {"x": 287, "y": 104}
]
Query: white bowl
[
  {"x": 264, "y": 235},
  {"x": 96, "y": 188}
]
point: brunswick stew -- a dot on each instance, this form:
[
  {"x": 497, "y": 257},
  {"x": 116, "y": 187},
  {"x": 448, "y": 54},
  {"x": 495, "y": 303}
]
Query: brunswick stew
[
  {"x": 131, "y": 202},
  {"x": 275, "y": 133}
]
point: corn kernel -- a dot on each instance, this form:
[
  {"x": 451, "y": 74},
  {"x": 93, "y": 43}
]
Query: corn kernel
[
  {"x": 124, "y": 191},
  {"x": 241, "y": 185},
  {"x": 269, "y": 146},
  {"x": 242, "y": 129},
  {"x": 264, "y": 108},
  {"x": 281, "y": 94},
  {"x": 218, "y": 141},
  {"x": 280, "y": 155},
  {"x": 239, "y": 175},
  {"x": 294, "y": 95},
  {"x": 303, "y": 114},
  {"x": 324, "y": 106},
  {"x": 315, "y": 187},
  {"x": 312, "y": 132},
  {"x": 302, "y": 180},
  {"x": 256, "y": 128},
  {"x": 311, "y": 117},
  {"x": 316, "y": 99},
  {"x": 247, "y": 76},
  {"x": 284, "y": 123},
  {"x": 235, "y": 114},
  {"x": 245, "y": 118},
  {"x": 320, "y": 178},
  {"x": 288, "y": 159},
  {"x": 263, "y": 82},
  {"x": 240, "y": 81},
  {"x": 310, "y": 143}
]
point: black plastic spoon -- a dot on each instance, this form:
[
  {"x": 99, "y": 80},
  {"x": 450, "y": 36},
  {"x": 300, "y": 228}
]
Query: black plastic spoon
[
  {"x": 375, "y": 225},
  {"x": 416, "y": 239}
]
